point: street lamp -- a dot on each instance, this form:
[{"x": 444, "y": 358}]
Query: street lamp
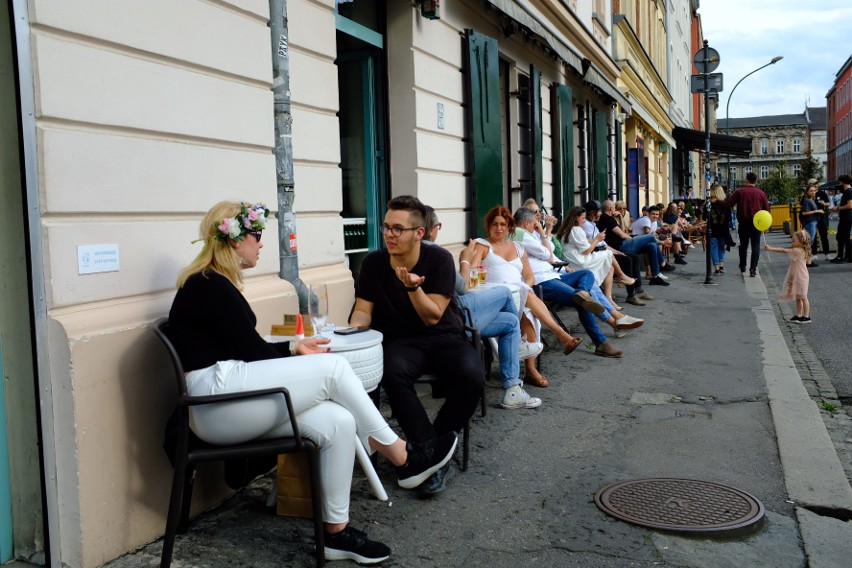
[{"x": 775, "y": 60}]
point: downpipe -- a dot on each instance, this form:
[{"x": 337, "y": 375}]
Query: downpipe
[{"x": 283, "y": 151}]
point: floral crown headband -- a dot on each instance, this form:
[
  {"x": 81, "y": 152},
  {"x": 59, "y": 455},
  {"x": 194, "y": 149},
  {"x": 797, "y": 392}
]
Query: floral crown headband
[{"x": 250, "y": 219}]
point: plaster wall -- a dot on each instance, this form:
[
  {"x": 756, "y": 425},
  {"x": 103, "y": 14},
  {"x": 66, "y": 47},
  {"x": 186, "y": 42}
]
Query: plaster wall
[{"x": 142, "y": 125}]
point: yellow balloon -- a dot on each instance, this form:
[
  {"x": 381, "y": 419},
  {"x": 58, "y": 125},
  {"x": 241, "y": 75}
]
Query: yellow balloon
[{"x": 762, "y": 220}]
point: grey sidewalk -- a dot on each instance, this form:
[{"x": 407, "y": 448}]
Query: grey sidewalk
[{"x": 707, "y": 390}]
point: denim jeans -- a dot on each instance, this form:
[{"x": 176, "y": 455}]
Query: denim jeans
[
  {"x": 717, "y": 250},
  {"x": 601, "y": 298},
  {"x": 561, "y": 291},
  {"x": 645, "y": 244},
  {"x": 811, "y": 228},
  {"x": 494, "y": 315}
]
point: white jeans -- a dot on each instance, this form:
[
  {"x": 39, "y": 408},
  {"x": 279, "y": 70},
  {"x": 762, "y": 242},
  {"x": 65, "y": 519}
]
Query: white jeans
[{"x": 330, "y": 404}]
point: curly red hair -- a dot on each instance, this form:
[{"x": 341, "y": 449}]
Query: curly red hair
[{"x": 499, "y": 211}]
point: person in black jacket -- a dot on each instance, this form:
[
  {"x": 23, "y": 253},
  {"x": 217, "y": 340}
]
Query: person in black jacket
[
  {"x": 824, "y": 202},
  {"x": 212, "y": 327}
]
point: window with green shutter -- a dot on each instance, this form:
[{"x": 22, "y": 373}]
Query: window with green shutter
[
  {"x": 563, "y": 165},
  {"x": 600, "y": 185},
  {"x": 482, "y": 82}
]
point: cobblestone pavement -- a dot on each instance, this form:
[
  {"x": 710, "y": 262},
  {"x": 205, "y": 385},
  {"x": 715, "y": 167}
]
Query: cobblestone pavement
[{"x": 818, "y": 382}]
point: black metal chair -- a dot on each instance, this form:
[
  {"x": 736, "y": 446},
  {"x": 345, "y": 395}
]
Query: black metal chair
[{"x": 190, "y": 451}]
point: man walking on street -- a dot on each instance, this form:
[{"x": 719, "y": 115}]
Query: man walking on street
[{"x": 748, "y": 199}]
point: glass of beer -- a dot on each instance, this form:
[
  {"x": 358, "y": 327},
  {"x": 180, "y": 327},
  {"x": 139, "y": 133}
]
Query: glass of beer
[{"x": 474, "y": 277}]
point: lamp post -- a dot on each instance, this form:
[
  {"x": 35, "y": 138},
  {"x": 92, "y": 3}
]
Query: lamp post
[{"x": 775, "y": 60}]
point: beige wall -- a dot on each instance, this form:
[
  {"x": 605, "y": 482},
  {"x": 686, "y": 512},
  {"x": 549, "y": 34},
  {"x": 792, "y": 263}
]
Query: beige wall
[{"x": 142, "y": 126}]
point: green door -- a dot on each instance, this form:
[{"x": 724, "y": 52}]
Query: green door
[{"x": 363, "y": 160}]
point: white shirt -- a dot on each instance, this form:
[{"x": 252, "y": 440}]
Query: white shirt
[
  {"x": 637, "y": 229},
  {"x": 539, "y": 256}
]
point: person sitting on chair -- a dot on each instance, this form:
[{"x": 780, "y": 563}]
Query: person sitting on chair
[
  {"x": 406, "y": 291},
  {"x": 565, "y": 289},
  {"x": 507, "y": 263},
  {"x": 213, "y": 330},
  {"x": 493, "y": 313},
  {"x": 647, "y": 244}
]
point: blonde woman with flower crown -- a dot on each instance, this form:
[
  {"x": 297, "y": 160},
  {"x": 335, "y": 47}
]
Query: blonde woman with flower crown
[{"x": 212, "y": 327}]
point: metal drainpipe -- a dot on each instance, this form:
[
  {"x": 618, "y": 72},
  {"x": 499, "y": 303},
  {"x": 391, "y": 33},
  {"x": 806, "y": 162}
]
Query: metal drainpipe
[{"x": 289, "y": 257}]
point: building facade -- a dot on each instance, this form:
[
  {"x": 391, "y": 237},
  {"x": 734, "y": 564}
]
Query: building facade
[
  {"x": 641, "y": 50},
  {"x": 123, "y": 124},
  {"x": 784, "y": 139},
  {"x": 839, "y": 122}
]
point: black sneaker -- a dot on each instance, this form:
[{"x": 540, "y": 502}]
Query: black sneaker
[
  {"x": 352, "y": 544},
  {"x": 426, "y": 458},
  {"x": 836, "y": 260},
  {"x": 680, "y": 260},
  {"x": 812, "y": 265},
  {"x": 667, "y": 267},
  {"x": 657, "y": 281},
  {"x": 805, "y": 319},
  {"x": 437, "y": 482},
  {"x": 795, "y": 319}
]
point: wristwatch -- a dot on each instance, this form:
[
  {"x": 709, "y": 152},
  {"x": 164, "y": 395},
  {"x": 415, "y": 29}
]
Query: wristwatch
[{"x": 412, "y": 288}]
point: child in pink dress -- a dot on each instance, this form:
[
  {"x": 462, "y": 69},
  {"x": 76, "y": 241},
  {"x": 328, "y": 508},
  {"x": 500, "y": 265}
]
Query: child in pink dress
[{"x": 796, "y": 282}]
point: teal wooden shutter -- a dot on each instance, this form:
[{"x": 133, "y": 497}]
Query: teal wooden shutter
[
  {"x": 535, "y": 131},
  {"x": 483, "y": 89},
  {"x": 601, "y": 184},
  {"x": 565, "y": 134}
]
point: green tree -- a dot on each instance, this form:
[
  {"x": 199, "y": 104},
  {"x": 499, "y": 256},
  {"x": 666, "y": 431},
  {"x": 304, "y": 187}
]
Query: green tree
[
  {"x": 779, "y": 186},
  {"x": 811, "y": 168}
]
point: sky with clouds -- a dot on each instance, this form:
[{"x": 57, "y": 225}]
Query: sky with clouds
[{"x": 814, "y": 36}]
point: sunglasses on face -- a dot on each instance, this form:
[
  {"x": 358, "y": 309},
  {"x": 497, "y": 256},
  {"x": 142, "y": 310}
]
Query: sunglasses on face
[{"x": 255, "y": 234}]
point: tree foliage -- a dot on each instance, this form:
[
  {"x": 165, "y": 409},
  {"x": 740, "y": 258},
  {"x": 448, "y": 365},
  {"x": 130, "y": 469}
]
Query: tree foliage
[
  {"x": 810, "y": 168},
  {"x": 779, "y": 186}
]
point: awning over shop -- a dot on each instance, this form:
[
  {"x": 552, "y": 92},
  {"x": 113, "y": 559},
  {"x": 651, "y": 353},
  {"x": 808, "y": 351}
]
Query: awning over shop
[
  {"x": 689, "y": 139},
  {"x": 528, "y": 18}
]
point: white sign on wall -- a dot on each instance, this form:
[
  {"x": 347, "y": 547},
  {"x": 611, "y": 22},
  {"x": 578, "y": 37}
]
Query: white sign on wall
[{"x": 92, "y": 259}]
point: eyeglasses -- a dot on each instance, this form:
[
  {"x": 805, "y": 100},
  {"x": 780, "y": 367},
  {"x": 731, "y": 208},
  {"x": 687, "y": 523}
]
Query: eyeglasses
[
  {"x": 255, "y": 234},
  {"x": 396, "y": 230},
  {"x": 437, "y": 226},
  {"x": 536, "y": 211}
]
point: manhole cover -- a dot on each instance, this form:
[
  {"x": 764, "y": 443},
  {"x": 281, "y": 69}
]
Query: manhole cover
[{"x": 683, "y": 505}]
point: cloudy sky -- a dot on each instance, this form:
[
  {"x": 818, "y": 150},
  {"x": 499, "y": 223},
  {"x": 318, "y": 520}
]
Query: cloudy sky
[{"x": 814, "y": 36}]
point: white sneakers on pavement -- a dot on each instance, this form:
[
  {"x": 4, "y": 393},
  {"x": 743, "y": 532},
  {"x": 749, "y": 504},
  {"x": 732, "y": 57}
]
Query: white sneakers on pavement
[
  {"x": 516, "y": 397},
  {"x": 529, "y": 349}
]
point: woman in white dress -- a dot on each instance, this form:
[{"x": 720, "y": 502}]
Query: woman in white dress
[
  {"x": 581, "y": 253},
  {"x": 506, "y": 263}
]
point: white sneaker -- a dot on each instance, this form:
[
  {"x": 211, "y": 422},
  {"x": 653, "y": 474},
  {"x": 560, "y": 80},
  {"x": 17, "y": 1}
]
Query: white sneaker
[
  {"x": 516, "y": 397},
  {"x": 619, "y": 333},
  {"x": 529, "y": 349}
]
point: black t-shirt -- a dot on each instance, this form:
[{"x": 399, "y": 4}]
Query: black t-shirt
[
  {"x": 845, "y": 198},
  {"x": 211, "y": 321},
  {"x": 393, "y": 313},
  {"x": 808, "y": 205},
  {"x": 608, "y": 223}
]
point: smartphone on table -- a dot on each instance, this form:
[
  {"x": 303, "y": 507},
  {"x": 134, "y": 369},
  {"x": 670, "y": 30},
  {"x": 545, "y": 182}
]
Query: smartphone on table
[{"x": 351, "y": 330}]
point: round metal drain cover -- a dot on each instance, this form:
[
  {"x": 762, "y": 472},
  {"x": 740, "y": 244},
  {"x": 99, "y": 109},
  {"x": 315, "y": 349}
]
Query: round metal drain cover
[{"x": 682, "y": 505}]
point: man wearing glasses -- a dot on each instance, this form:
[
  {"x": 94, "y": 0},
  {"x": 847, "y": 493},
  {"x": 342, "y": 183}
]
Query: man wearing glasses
[{"x": 405, "y": 291}]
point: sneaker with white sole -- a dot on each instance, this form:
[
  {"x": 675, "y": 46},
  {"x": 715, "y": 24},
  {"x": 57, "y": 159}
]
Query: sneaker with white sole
[
  {"x": 426, "y": 458},
  {"x": 516, "y": 397},
  {"x": 352, "y": 544},
  {"x": 628, "y": 322},
  {"x": 619, "y": 333},
  {"x": 529, "y": 349}
]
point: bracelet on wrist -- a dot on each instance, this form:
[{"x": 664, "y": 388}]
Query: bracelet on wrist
[
  {"x": 464, "y": 262},
  {"x": 412, "y": 288}
]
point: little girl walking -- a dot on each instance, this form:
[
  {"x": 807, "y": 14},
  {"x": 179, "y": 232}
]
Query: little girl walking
[{"x": 796, "y": 282}]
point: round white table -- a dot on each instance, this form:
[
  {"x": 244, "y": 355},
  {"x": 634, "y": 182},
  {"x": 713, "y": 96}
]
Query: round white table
[{"x": 366, "y": 357}]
